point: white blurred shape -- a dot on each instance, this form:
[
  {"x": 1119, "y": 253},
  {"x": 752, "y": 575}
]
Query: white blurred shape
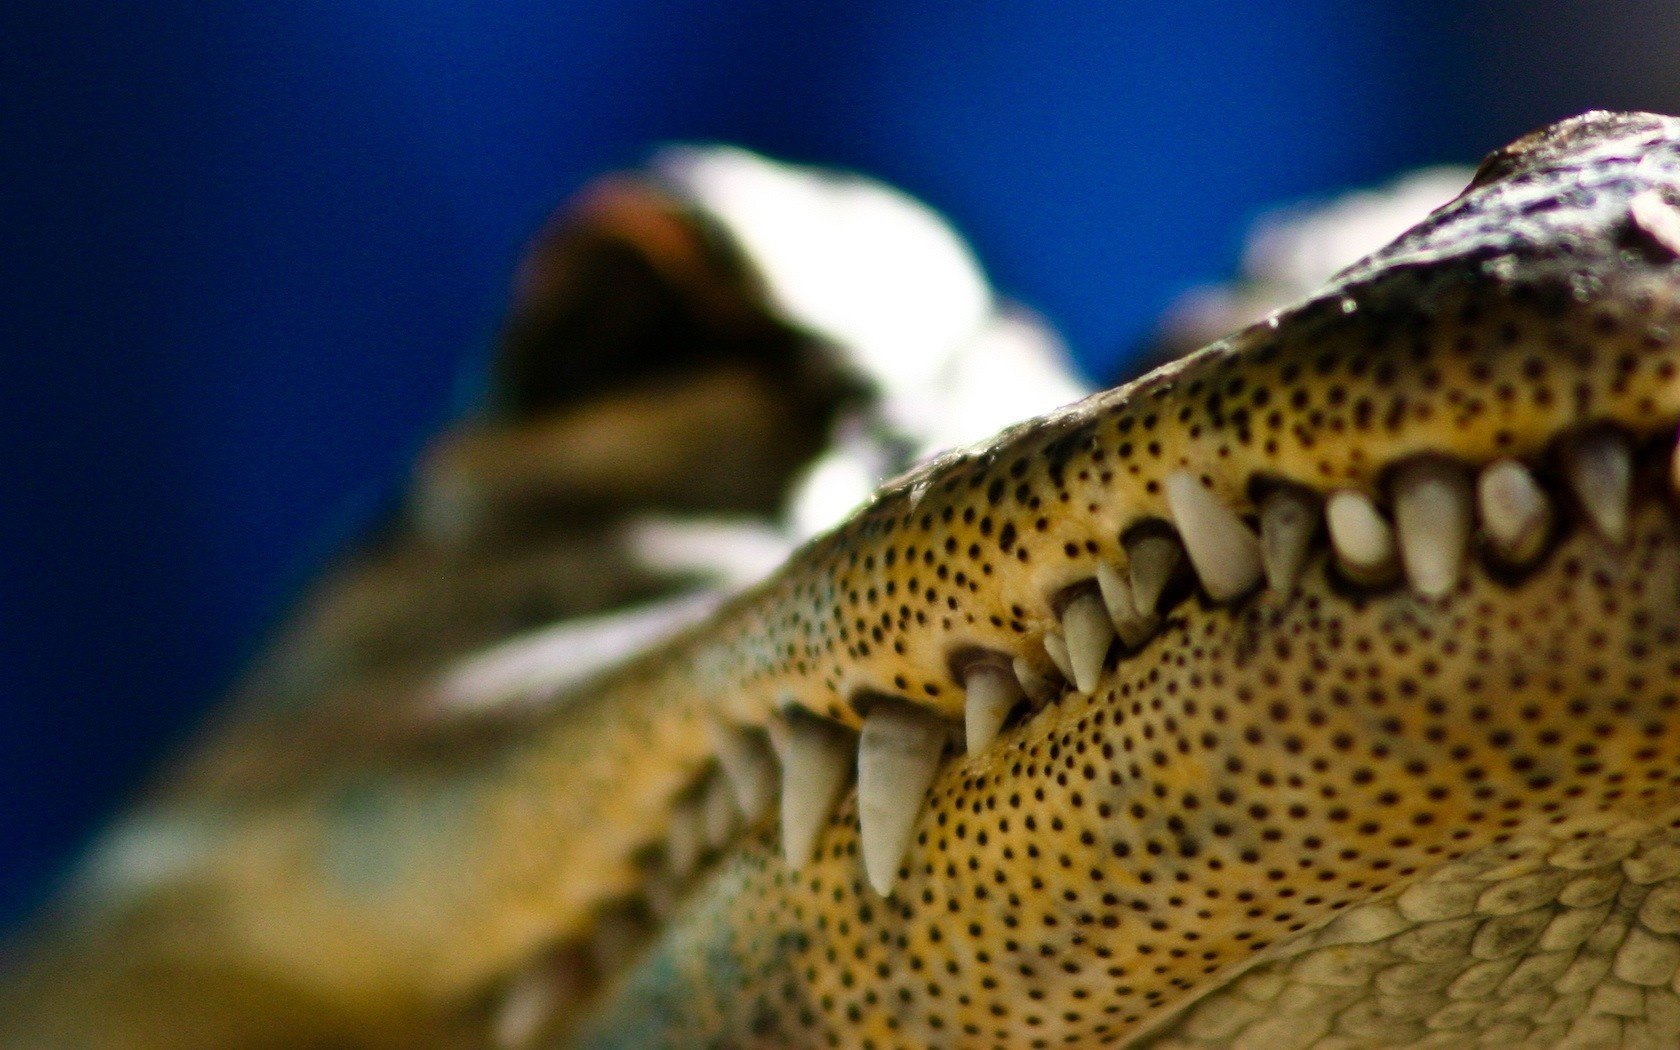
[
  {"x": 539, "y": 665},
  {"x": 870, "y": 268}
]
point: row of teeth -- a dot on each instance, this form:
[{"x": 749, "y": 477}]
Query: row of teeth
[
  {"x": 806, "y": 762},
  {"x": 1436, "y": 508}
]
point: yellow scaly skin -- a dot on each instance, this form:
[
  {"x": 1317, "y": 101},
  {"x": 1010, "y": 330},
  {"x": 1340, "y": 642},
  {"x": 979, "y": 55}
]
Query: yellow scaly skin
[{"x": 1250, "y": 789}]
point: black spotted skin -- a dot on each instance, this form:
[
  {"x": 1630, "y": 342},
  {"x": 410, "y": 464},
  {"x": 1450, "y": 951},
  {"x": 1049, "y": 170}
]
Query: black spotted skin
[
  {"x": 1247, "y": 777},
  {"x": 1257, "y": 768}
]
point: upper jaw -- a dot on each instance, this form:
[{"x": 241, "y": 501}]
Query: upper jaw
[{"x": 1510, "y": 322}]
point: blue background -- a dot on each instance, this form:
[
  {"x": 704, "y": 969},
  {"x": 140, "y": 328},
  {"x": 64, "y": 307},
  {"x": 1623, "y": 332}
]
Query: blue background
[{"x": 251, "y": 252}]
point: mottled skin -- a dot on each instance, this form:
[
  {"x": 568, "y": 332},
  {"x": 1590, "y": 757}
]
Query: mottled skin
[
  {"x": 1249, "y": 774},
  {"x": 1120, "y": 851}
]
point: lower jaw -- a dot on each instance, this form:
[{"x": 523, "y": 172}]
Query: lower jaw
[{"x": 1256, "y": 779}]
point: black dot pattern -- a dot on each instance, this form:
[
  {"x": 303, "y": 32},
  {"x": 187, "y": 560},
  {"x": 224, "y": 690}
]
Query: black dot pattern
[{"x": 1249, "y": 776}]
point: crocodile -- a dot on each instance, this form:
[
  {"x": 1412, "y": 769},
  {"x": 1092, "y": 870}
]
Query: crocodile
[{"x": 1317, "y": 688}]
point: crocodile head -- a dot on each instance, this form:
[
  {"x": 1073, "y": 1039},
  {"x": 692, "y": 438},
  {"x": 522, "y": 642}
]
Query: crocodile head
[{"x": 1317, "y": 686}]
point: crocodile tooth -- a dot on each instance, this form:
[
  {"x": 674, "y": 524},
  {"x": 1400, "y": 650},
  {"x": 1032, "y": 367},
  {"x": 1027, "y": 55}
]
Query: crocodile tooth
[
  {"x": 1599, "y": 467},
  {"x": 686, "y": 838},
  {"x": 898, "y": 755},
  {"x": 719, "y": 815},
  {"x": 1288, "y": 521},
  {"x": 527, "y": 1004},
  {"x": 1087, "y": 634},
  {"x": 1133, "y": 627},
  {"x": 1433, "y": 516},
  {"x": 1056, "y": 648},
  {"x": 992, "y": 692},
  {"x": 1035, "y": 685},
  {"x": 1224, "y": 551},
  {"x": 1514, "y": 510},
  {"x": 531, "y": 998},
  {"x": 749, "y": 765},
  {"x": 1658, "y": 218},
  {"x": 1361, "y": 537},
  {"x": 1153, "y": 557},
  {"x": 816, "y": 760}
]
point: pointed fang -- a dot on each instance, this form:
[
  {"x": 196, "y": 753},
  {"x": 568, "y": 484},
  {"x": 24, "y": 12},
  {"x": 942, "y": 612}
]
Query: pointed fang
[
  {"x": 1288, "y": 522},
  {"x": 1035, "y": 685},
  {"x": 1433, "y": 514},
  {"x": 1599, "y": 466},
  {"x": 1362, "y": 538},
  {"x": 1056, "y": 648},
  {"x": 898, "y": 755},
  {"x": 1515, "y": 512},
  {"x": 749, "y": 764},
  {"x": 1088, "y": 633},
  {"x": 1153, "y": 558},
  {"x": 992, "y": 692},
  {"x": 1224, "y": 551},
  {"x": 1133, "y": 627},
  {"x": 817, "y": 760}
]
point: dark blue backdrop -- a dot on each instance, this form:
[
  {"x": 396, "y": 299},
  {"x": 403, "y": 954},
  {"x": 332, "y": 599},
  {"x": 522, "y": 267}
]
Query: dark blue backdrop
[{"x": 251, "y": 250}]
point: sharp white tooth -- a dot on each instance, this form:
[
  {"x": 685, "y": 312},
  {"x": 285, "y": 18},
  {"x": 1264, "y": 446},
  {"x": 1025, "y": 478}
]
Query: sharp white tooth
[
  {"x": 529, "y": 1002},
  {"x": 718, "y": 812},
  {"x": 1288, "y": 521},
  {"x": 816, "y": 761},
  {"x": 1514, "y": 510},
  {"x": 1034, "y": 684},
  {"x": 750, "y": 766},
  {"x": 1088, "y": 633},
  {"x": 1152, "y": 558},
  {"x": 1362, "y": 539},
  {"x": 1223, "y": 550},
  {"x": 992, "y": 692},
  {"x": 1651, "y": 213},
  {"x": 1056, "y": 648},
  {"x": 898, "y": 755},
  {"x": 1433, "y": 515},
  {"x": 1133, "y": 627},
  {"x": 531, "y": 999},
  {"x": 686, "y": 838},
  {"x": 1599, "y": 466}
]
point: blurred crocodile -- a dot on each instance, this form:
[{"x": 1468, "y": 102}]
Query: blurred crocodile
[{"x": 1320, "y": 688}]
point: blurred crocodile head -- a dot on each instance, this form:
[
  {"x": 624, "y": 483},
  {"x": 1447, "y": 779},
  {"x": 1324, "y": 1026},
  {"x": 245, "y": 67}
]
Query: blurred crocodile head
[{"x": 1318, "y": 688}]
